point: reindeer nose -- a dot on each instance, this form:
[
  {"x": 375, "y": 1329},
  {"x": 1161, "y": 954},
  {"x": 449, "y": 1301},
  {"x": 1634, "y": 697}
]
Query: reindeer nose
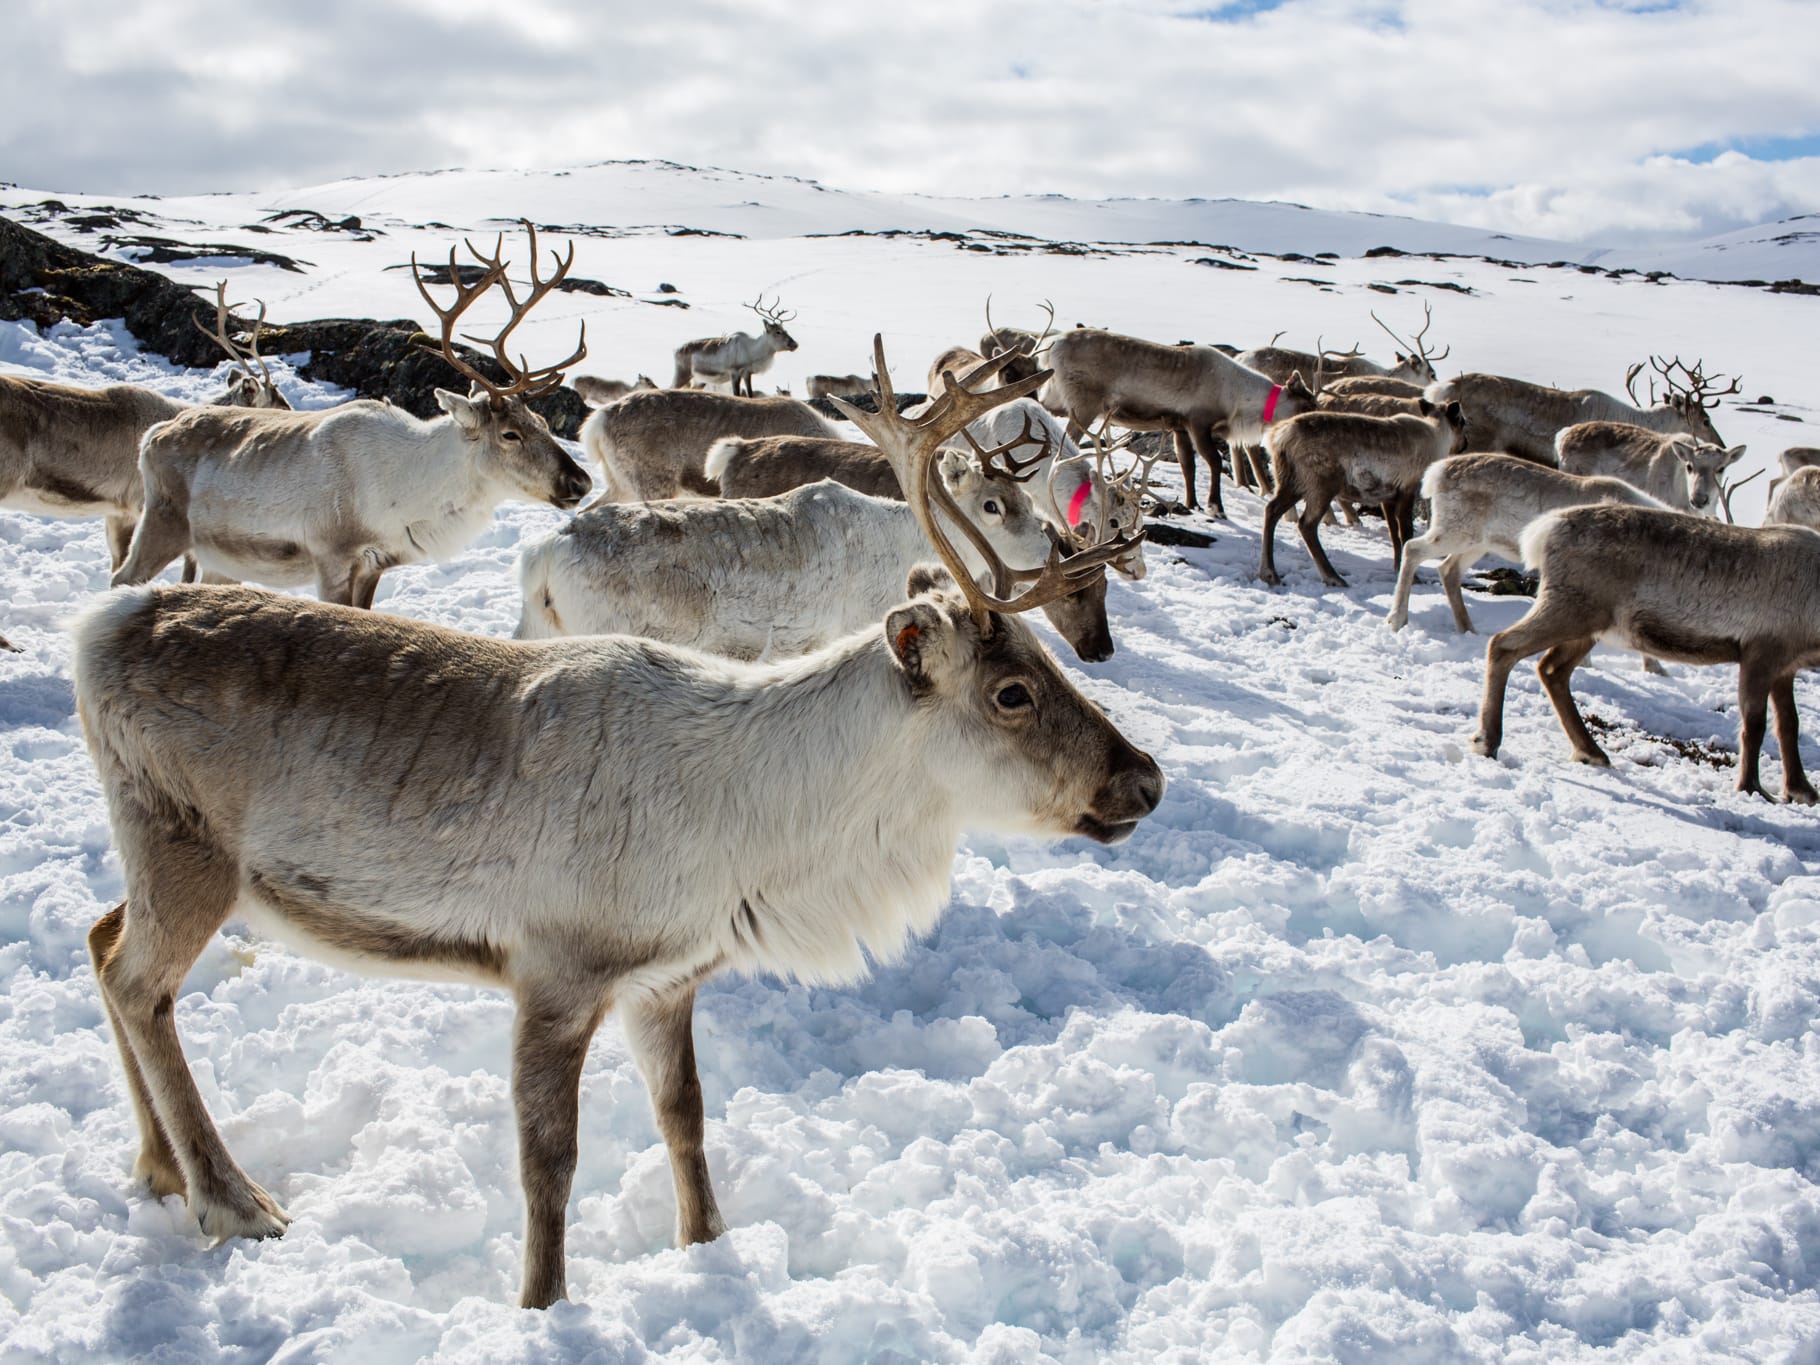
[
  {"x": 1150, "y": 785},
  {"x": 572, "y": 487},
  {"x": 1138, "y": 789}
]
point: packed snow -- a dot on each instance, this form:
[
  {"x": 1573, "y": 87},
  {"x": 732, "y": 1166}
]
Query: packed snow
[{"x": 1361, "y": 1048}]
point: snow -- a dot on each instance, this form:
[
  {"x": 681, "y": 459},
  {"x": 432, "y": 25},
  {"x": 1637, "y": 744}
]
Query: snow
[{"x": 1361, "y": 1048}]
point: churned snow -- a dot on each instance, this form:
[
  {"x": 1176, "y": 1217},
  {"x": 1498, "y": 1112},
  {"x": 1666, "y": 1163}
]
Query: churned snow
[{"x": 1361, "y": 1048}]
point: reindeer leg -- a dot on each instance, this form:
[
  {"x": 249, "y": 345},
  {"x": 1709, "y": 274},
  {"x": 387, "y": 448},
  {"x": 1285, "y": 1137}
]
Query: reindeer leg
[
  {"x": 1453, "y": 569},
  {"x": 363, "y": 584},
  {"x": 1283, "y": 500},
  {"x": 660, "y": 1032},
  {"x": 162, "y": 534},
  {"x": 1309, "y": 524},
  {"x": 1184, "y": 456},
  {"x": 1547, "y": 624},
  {"x": 120, "y": 539},
  {"x": 1795, "y": 786},
  {"x": 335, "y": 581},
  {"x": 555, "y": 1024},
  {"x": 157, "y": 1164},
  {"x": 183, "y": 889},
  {"x": 1200, "y": 435},
  {"x": 1416, "y": 553},
  {"x": 1555, "y": 668},
  {"x": 1755, "y": 679}
]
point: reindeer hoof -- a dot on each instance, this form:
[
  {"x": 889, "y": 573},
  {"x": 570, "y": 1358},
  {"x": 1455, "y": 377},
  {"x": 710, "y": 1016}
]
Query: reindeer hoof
[
  {"x": 1396, "y": 622},
  {"x": 249, "y": 1212},
  {"x": 1483, "y": 749},
  {"x": 1594, "y": 758},
  {"x": 1800, "y": 796},
  {"x": 1335, "y": 581},
  {"x": 1270, "y": 578},
  {"x": 159, "y": 1176}
]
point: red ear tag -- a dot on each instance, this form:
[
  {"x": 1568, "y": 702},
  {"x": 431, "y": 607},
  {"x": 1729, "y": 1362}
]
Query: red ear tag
[
  {"x": 1270, "y": 403},
  {"x": 1077, "y": 505},
  {"x": 905, "y": 638}
]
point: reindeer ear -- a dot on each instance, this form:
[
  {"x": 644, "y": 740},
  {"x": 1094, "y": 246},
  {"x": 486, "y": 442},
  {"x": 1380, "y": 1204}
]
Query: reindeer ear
[
  {"x": 1428, "y": 408},
  {"x": 1734, "y": 453},
  {"x": 929, "y": 578},
  {"x": 921, "y": 638},
  {"x": 1454, "y": 412},
  {"x": 467, "y": 412}
]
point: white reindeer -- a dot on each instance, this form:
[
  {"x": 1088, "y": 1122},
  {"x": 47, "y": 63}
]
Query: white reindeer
[
  {"x": 340, "y": 496},
  {"x": 592, "y": 825},
  {"x": 735, "y": 358},
  {"x": 1480, "y": 505},
  {"x": 1679, "y": 471}
]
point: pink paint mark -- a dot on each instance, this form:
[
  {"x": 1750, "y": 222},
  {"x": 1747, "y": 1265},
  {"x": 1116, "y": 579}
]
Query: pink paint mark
[
  {"x": 1077, "y": 505},
  {"x": 1270, "y": 403}
]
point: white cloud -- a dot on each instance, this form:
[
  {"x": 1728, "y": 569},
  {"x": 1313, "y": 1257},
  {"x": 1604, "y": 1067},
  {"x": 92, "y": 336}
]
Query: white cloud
[{"x": 1556, "y": 113}]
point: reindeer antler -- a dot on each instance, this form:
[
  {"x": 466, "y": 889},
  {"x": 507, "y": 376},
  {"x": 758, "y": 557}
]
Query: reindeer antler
[
  {"x": 239, "y": 355},
  {"x": 523, "y": 380},
  {"x": 1417, "y": 348},
  {"x": 773, "y": 313},
  {"x": 1020, "y": 471},
  {"x": 911, "y": 447},
  {"x": 1696, "y": 386}
]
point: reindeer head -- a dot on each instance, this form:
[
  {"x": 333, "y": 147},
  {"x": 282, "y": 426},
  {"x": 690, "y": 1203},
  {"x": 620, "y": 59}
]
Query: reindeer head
[
  {"x": 514, "y": 443},
  {"x": 1704, "y": 464},
  {"x": 245, "y": 389},
  {"x": 911, "y": 446},
  {"x": 774, "y": 321},
  {"x": 1453, "y": 417},
  {"x": 1690, "y": 393},
  {"x": 1019, "y": 746}
]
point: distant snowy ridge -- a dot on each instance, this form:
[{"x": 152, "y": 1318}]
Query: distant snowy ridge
[{"x": 666, "y": 195}]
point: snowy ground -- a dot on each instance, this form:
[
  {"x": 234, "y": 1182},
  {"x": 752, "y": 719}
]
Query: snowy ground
[{"x": 1362, "y": 1047}]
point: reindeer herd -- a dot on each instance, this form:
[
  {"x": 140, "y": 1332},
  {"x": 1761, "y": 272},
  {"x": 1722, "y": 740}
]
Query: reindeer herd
[{"x": 744, "y": 719}]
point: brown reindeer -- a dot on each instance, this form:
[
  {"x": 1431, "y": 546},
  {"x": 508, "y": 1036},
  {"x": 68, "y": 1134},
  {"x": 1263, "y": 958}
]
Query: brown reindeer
[{"x": 1682, "y": 588}]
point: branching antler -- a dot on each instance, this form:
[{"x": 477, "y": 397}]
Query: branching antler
[
  {"x": 1696, "y": 387},
  {"x": 1036, "y": 349},
  {"x": 774, "y": 313},
  {"x": 1417, "y": 348},
  {"x": 523, "y": 381},
  {"x": 1020, "y": 471},
  {"x": 1725, "y": 495},
  {"x": 236, "y": 353},
  {"x": 912, "y": 446}
]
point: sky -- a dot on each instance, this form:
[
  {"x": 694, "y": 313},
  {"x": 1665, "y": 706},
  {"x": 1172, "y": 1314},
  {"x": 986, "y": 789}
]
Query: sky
[{"x": 1600, "y": 121}]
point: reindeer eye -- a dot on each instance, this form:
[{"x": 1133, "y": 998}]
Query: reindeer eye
[
  {"x": 1013, "y": 697},
  {"x": 990, "y": 507},
  {"x": 509, "y": 435}
]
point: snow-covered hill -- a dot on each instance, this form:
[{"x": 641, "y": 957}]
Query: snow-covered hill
[{"x": 1361, "y": 1048}]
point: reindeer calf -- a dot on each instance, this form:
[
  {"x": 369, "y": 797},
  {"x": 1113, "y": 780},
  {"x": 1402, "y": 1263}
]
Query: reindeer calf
[
  {"x": 1679, "y": 471},
  {"x": 1320, "y": 456},
  {"x": 1683, "y": 588},
  {"x": 1481, "y": 503}
]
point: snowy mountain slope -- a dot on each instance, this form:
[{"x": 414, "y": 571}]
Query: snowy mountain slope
[{"x": 1362, "y": 1047}]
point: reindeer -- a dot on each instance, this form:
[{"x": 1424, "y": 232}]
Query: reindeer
[
  {"x": 342, "y": 495},
  {"x": 1679, "y": 471},
  {"x": 1025, "y": 347},
  {"x": 1416, "y": 367},
  {"x": 67, "y": 451},
  {"x": 597, "y": 392},
  {"x": 1319, "y": 456},
  {"x": 589, "y": 824},
  {"x": 1523, "y": 419},
  {"x": 652, "y": 445},
  {"x": 1481, "y": 503},
  {"x": 1685, "y": 588},
  {"x": 9, "y": 646},
  {"x": 836, "y": 385},
  {"x": 1076, "y": 492},
  {"x": 1792, "y": 459},
  {"x": 1795, "y": 499},
  {"x": 245, "y": 389},
  {"x": 777, "y": 576},
  {"x": 1194, "y": 392},
  {"x": 1358, "y": 385},
  {"x": 735, "y": 358}
]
